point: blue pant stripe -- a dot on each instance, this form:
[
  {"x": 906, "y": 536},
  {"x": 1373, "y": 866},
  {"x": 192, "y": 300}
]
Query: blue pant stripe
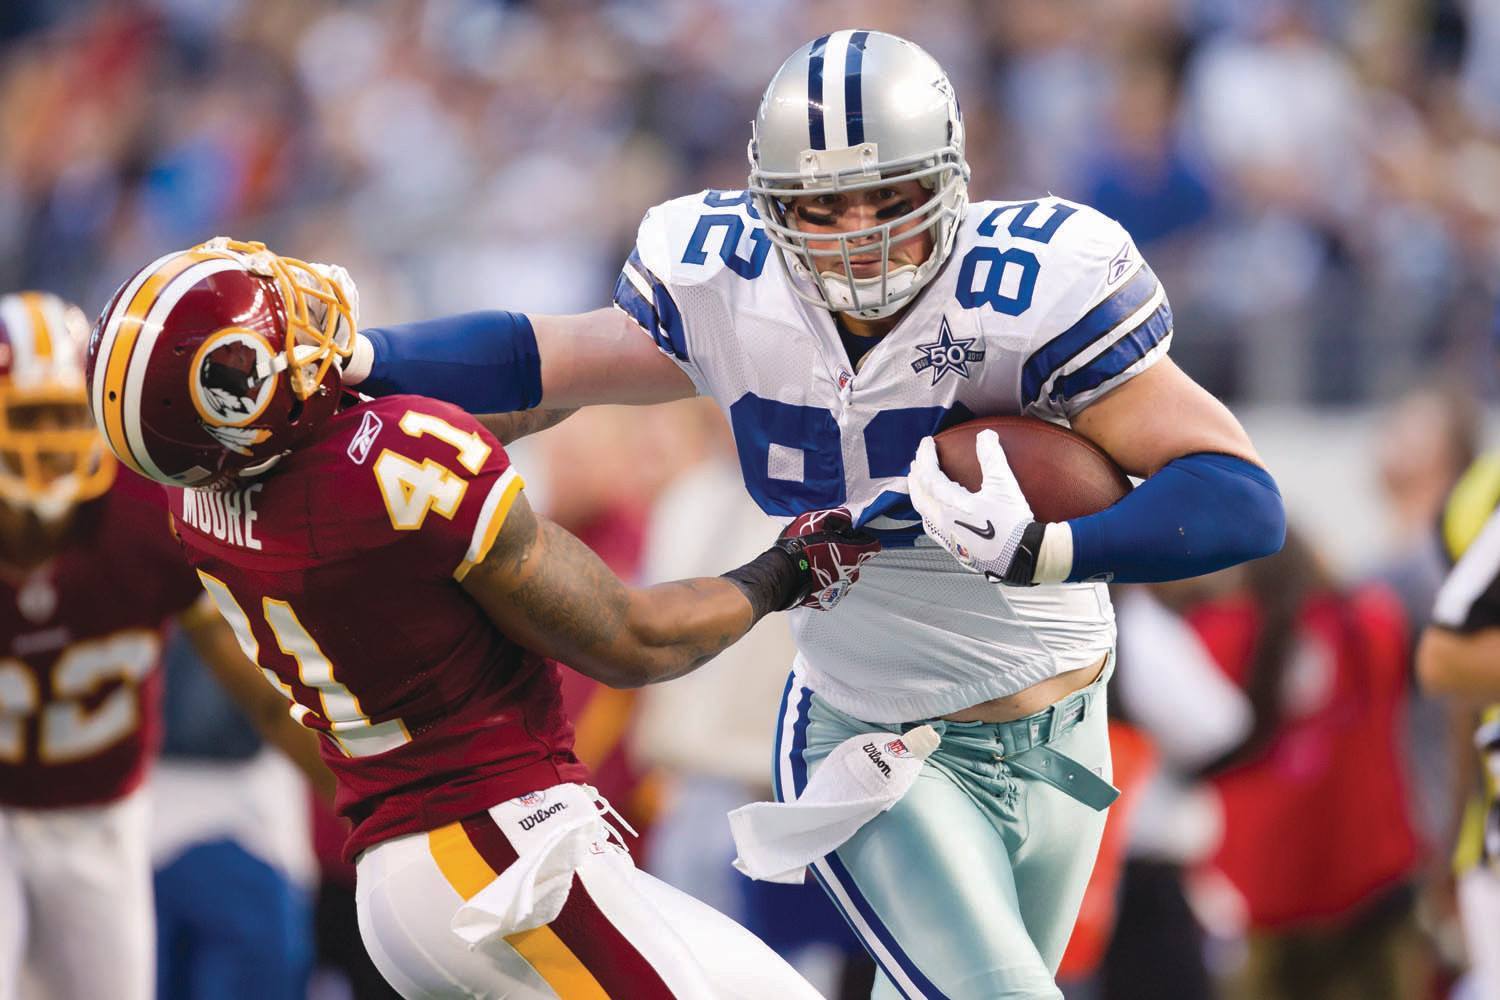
[
  {"x": 836, "y": 869},
  {"x": 786, "y": 696},
  {"x": 816, "y": 139}
]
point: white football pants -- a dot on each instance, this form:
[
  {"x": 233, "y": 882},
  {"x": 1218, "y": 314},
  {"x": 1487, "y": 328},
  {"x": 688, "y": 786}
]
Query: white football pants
[
  {"x": 1479, "y": 910},
  {"x": 76, "y": 910},
  {"x": 621, "y": 933}
]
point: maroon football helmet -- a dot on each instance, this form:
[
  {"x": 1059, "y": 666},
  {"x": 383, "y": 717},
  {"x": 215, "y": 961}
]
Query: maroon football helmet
[{"x": 211, "y": 364}]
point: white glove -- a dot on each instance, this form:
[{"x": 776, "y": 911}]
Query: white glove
[
  {"x": 356, "y": 364},
  {"x": 982, "y": 530},
  {"x": 262, "y": 262},
  {"x": 337, "y": 275}
]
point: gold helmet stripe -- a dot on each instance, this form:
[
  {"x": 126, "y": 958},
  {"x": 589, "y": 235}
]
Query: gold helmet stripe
[
  {"x": 41, "y": 336},
  {"x": 123, "y": 346}
]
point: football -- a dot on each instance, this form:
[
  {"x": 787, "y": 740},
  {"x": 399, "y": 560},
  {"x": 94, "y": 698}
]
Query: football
[{"x": 1062, "y": 474}]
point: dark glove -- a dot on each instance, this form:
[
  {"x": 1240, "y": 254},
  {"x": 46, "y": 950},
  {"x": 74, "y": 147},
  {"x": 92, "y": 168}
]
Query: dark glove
[{"x": 812, "y": 563}]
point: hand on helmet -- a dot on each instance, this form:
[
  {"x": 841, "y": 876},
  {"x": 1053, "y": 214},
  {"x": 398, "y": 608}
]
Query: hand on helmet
[
  {"x": 984, "y": 531},
  {"x": 323, "y": 279}
]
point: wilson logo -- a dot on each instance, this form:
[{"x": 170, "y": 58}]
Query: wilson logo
[
  {"x": 364, "y": 438},
  {"x": 879, "y": 761},
  {"x": 542, "y": 815}
]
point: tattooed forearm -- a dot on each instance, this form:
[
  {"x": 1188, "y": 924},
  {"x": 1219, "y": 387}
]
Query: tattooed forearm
[
  {"x": 549, "y": 592},
  {"x": 572, "y": 594},
  {"x": 510, "y": 427}
]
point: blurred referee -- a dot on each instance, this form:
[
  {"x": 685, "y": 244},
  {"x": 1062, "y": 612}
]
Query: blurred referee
[{"x": 1459, "y": 656}]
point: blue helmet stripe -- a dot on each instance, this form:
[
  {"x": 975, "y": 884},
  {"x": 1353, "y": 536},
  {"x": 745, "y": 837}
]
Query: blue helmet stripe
[
  {"x": 854, "y": 115},
  {"x": 816, "y": 139}
]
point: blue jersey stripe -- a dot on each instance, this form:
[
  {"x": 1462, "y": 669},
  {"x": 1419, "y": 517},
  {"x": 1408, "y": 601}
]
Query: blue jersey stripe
[
  {"x": 854, "y": 115},
  {"x": 815, "y": 137},
  {"x": 629, "y": 298},
  {"x": 1120, "y": 355},
  {"x": 659, "y": 315},
  {"x": 1096, "y": 323}
]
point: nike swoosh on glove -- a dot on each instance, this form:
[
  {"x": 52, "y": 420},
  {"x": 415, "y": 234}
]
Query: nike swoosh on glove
[
  {"x": 984, "y": 531},
  {"x": 829, "y": 551}
]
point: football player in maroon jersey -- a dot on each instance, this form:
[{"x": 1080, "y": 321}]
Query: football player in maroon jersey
[
  {"x": 380, "y": 561},
  {"x": 89, "y": 580}
]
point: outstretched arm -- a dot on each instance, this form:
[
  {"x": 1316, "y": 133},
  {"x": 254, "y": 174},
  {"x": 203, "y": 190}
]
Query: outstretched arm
[
  {"x": 550, "y": 593},
  {"x": 497, "y": 362}
]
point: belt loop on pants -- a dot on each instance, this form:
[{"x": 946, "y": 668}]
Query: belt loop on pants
[{"x": 1031, "y": 754}]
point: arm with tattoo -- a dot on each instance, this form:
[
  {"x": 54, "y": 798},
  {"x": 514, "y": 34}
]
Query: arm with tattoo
[
  {"x": 550, "y": 593},
  {"x": 517, "y": 424}
]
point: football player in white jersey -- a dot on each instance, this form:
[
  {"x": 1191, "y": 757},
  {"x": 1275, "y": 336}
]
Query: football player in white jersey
[{"x": 891, "y": 308}]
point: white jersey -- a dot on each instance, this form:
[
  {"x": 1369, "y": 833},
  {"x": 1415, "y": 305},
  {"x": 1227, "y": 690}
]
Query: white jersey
[{"x": 1043, "y": 307}]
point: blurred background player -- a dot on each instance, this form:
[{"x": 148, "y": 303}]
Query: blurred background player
[
  {"x": 229, "y": 810},
  {"x": 381, "y": 561},
  {"x": 1459, "y": 658},
  {"x": 90, "y": 580}
]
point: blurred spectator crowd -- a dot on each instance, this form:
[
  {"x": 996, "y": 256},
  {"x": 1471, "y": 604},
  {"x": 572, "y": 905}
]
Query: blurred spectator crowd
[{"x": 1318, "y": 181}]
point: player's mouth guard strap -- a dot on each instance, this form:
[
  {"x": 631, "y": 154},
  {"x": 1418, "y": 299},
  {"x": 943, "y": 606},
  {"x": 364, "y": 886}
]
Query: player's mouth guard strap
[
  {"x": 1197, "y": 514},
  {"x": 484, "y": 362}
]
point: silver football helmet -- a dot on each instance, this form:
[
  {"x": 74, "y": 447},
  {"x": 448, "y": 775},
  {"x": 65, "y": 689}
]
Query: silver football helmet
[{"x": 850, "y": 111}]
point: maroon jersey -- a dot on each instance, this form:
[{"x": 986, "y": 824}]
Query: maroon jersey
[
  {"x": 80, "y": 692},
  {"x": 340, "y": 571}
]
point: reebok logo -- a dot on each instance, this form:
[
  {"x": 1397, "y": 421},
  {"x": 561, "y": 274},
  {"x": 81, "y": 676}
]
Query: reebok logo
[
  {"x": 364, "y": 438},
  {"x": 1119, "y": 264},
  {"x": 875, "y": 758},
  {"x": 542, "y": 815}
]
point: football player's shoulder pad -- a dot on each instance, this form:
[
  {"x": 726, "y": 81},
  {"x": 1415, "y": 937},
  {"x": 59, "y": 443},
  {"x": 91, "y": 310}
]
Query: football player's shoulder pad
[{"x": 687, "y": 240}]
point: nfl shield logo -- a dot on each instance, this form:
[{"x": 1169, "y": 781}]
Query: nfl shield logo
[{"x": 896, "y": 748}]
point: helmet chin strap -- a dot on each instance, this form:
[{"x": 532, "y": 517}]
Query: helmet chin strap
[{"x": 898, "y": 281}]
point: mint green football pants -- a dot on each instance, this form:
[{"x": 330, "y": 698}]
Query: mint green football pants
[{"x": 969, "y": 886}]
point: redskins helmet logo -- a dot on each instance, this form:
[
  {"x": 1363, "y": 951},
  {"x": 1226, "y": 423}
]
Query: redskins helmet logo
[{"x": 232, "y": 379}]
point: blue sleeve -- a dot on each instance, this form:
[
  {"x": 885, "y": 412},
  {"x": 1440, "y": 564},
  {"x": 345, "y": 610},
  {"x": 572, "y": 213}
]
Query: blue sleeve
[
  {"x": 484, "y": 362},
  {"x": 1198, "y": 514}
]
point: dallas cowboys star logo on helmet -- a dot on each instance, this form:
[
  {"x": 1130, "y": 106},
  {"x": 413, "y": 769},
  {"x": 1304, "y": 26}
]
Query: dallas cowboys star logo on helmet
[{"x": 947, "y": 354}]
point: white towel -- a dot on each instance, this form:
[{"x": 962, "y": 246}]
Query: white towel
[
  {"x": 552, "y": 831},
  {"x": 864, "y": 776}
]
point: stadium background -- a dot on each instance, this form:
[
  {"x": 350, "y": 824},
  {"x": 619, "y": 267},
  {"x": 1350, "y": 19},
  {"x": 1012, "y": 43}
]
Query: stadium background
[{"x": 1317, "y": 183}]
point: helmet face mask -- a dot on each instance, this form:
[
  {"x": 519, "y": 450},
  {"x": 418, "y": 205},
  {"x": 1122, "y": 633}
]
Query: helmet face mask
[
  {"x": 897, "y": 121},
  {"x": 210, "y": 365},
  {"x": 51, "y": 455}
]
